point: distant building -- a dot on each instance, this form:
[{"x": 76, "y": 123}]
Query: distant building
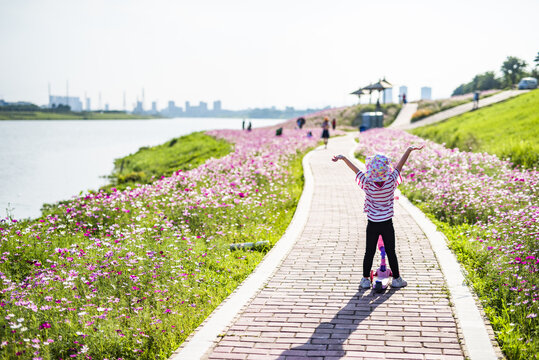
[
  {"x": 106, "y": 107},
  {"x": 217, "y": 106},
  {"x": 172, "y": 110},
  {"x": 426, "y": 93},
  {"x": 88, "y": 105},
  {"x": 154, "y": 107},
  {"x": 73, "y": 102},
  {"x": 388, "y": 96},
  {"x": 138, "y": 109},
  {"x": 203, "y": 107},
  {"x": 197, "y": 111}
]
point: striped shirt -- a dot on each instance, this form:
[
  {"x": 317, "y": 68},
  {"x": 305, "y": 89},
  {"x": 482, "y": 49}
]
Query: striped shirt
[{"x": 379, "y": 199}]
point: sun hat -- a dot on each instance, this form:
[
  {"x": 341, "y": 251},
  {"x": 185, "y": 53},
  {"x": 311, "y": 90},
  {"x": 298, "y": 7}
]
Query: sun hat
[{"x": 378, "y": 168}]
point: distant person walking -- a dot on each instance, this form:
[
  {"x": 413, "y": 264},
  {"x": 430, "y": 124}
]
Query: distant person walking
[
  {"x": 475, "y": 100},
  {"x": 243, "y": 124},
  {"x": 325, "y": 132},
  {"x": 333, "y": 123},
  {"x": 300, "y": 122},
  {"x": 404, "y": 101},
  {"x": 249, "y": 126}
]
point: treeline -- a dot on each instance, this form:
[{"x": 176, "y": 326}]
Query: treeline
[
  {"x": 32, "y": 107},
  {"x": 63, "y": 109},
  {"x": 512, "y": 69}
]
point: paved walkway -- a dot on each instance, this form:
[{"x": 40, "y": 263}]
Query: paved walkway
[
  {"x": 457, "y": 110},
  {"x": 311, "y": 305},
  {"x": 404, "y": 118}
]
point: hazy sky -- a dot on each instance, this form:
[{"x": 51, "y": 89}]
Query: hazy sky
[{"x": 249, "y": 53}]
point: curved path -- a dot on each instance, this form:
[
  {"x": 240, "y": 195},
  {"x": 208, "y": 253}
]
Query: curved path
[
  {"x": 308, "y": 304},
  {"x": 457, "y": 110},
  {"x": 404, "y": 118}
]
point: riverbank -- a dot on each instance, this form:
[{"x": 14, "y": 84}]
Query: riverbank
[
  {"x": 85, "y": 115},
  {"x": 149, "y": 263},
  {"x": 53, "y": 160}
]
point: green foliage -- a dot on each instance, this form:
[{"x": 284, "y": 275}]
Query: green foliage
[
  {"x": 196, "y": 271},
  {"x": 481, "y": 82},
  {"x": 67, "y": 115},
  {"x": 509, "y": 322},
  {"x": 183, "y": 153},
  {"x": 512, "y": 69},
  {"x": 509, "y": 129}
]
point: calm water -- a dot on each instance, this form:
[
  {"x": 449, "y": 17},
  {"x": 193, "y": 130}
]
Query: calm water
[{"x": 48, "y": 161}]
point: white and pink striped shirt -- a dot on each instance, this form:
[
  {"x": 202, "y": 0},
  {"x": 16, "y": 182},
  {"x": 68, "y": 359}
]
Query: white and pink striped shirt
[{"x": 379, "y": 199}]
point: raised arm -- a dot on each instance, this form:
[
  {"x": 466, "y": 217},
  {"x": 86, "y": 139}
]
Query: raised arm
[
  {"x": 405, "y": 156},
  {"x": 348, "y": 162}
]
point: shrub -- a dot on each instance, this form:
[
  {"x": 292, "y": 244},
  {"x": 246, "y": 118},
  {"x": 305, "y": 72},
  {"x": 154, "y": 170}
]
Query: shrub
[{"x": 420, "y": 114}]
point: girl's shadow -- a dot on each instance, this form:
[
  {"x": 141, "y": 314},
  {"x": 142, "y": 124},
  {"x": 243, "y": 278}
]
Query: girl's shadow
[{"x": 328, "y": 337}]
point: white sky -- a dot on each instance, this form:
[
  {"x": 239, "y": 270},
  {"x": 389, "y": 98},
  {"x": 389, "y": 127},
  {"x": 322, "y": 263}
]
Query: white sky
[{"x": 250, "y": 53}]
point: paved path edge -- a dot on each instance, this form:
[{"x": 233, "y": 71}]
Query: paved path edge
[
  {"x": 477, "y": 341},
  {"x": 204, "y": 338},
  {"x": 464, "y": 108}
]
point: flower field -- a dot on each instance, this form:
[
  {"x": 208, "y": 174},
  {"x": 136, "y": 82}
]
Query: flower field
[
  {"x": 489, "y": 212},
  {"x": 129, "y": 274}
]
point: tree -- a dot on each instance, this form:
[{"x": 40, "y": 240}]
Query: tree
[
  {"x": 536, "y": 60},
  {"x": 487, "y": 81},
  {"x": 459, "y": 90},
  {"x": 512, "y": 69}
]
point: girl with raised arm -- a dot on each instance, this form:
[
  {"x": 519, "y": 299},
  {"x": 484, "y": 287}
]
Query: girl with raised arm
[{"x": 379, "y": 183}]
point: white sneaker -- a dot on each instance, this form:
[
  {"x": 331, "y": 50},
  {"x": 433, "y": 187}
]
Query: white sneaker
[
  {"x": 365, "y": 283},
  {"x": 398, "y": 282}
]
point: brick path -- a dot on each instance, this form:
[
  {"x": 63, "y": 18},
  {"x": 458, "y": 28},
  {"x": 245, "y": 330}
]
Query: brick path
[{"x": 312, "y": 305}]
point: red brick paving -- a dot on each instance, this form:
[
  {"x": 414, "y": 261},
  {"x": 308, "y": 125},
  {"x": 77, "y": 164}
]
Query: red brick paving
[{"x": 312, "y": 306}]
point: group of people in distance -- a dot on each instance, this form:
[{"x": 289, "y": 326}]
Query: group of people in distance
[
  {"x": 325, "y": 127},
  {"x": 249, "y": 127}
]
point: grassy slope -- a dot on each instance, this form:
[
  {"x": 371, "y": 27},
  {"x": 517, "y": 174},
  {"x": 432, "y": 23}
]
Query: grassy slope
[
  {"x": 38, "y": 115},
  {"x": 509, "y": 129},
  {"x": 184, "y": 153},
  {"x": 266, "y": 222}
]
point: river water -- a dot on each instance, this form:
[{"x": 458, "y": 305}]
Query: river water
[{"x": 49, "y": 161}]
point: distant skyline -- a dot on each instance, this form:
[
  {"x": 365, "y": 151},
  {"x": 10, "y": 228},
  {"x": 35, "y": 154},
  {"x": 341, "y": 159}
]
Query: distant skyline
[{"x": 305, "y": 54}]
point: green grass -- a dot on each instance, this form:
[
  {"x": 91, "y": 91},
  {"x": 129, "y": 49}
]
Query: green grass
[
  {"x": 42, "y": 115},
  {"x": 510, "y": 324},
  {"x": 183, "y": 276},
  {"x": 148, "y": 163},
  {"x": 509, "y": 129}
]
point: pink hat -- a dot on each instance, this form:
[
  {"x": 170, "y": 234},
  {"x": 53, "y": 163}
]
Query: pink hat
[{"x": 378, "y": 168}]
